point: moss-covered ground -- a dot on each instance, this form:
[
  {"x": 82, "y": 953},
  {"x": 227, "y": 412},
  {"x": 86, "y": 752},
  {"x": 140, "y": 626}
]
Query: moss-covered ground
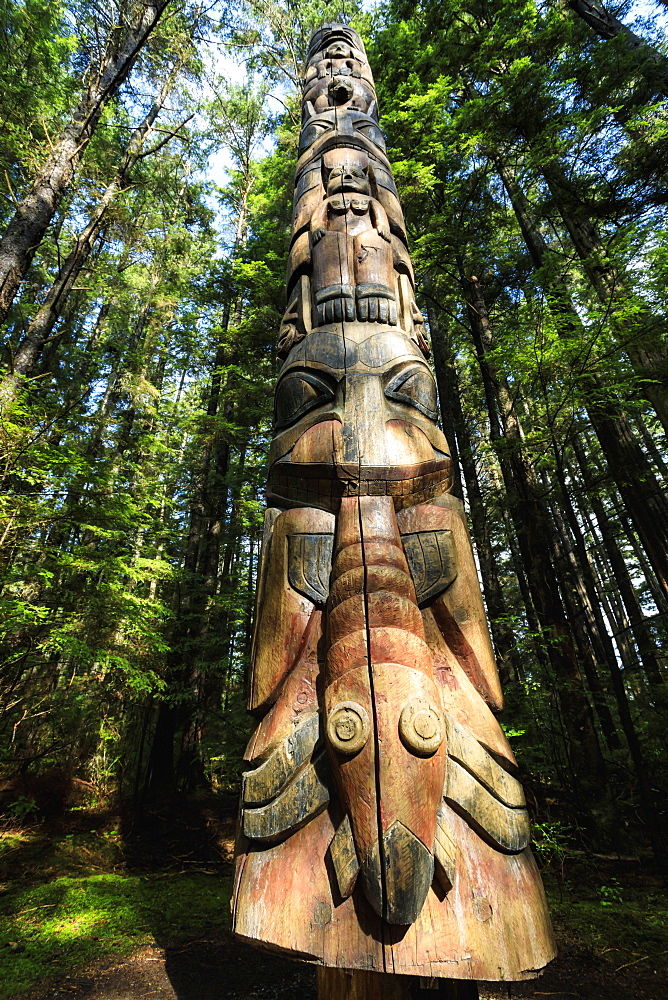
[
  {"x": 68, "y": 899},
  {"x": 613, "y": 911}
]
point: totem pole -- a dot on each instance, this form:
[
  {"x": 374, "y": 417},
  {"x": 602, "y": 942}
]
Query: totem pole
[{"x": 383, "y": 828}]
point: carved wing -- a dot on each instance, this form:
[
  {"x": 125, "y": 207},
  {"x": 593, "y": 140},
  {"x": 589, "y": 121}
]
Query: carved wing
[
  {"x": 431, "y": 556},
  {"x": 310, "y": 564},
  {"x": 484, "y": 793},
  {"x": 289, "y": 787},
  {"x": 432, "y": 559}
]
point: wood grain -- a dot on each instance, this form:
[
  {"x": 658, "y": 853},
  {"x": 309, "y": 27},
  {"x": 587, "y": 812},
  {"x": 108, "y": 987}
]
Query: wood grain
[
  {"x": 459, "y": 611},
  {"x": 504, "y": 827},
  {"x": 467, "y": 751},
  {"x": 271, "y": 776},
  {"x": 344, "y": 858},
  {"x": 283, "y": 615},
  {"x": 339, "y": 984},
  {"x": 302, "y": 799},
  {"x": 432, "y": 559},
  {"x": 342, "y": 984},
  {"x": 492, "y": 925}
]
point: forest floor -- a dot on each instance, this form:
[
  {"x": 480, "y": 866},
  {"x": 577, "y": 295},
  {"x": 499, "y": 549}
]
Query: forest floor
[{"x": 95, "y": 908}]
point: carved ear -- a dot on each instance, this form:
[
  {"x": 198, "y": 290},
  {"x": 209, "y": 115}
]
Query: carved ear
[
  {"x": 372, "y": 180},
  {"x": 326, "y": 171},
  {"x": 373, "y": 111},
  {"x": 309, "y": 111}
]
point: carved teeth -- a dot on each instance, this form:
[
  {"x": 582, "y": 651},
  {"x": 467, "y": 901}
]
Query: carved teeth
[{"x": 290, "y": 482}]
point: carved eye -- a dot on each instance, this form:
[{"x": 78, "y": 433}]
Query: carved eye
[
  {"x": 371, "y": 131},
  {"x": 416, "y": 387},
  {"x": 296, "y": 395},
  {"x": 313, "y": 131}
]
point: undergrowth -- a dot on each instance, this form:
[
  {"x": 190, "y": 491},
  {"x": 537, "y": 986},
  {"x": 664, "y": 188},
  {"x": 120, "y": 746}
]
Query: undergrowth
[
  {"x": 613, "y": 911},
  {"x": 67, "y": 901}
]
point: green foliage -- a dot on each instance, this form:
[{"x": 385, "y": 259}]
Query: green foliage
[
  {"x": 622, "y": 923},
  {"x": 553, "y": 842},
  {"x": 82, "y": 912},
  {"x": 21, "y": 811},
  {"x": 36, "y": 45},
  {"x": 611, "y": 895}
]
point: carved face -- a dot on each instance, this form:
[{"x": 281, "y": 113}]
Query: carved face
[
  {"x": 355, "y": 128},
  {"x": 348, "y": 177},
  {"x": 338, "y": 50},
  {"x": 411, "y": 384},
  {"x": 370, "y": 429},
  {"x": 334, "y": 34}
]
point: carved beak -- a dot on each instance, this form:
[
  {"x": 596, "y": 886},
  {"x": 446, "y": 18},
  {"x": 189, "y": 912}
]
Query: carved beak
[
  {"x": 364, "y": 416},
  {"x": 396, "y": 877}
]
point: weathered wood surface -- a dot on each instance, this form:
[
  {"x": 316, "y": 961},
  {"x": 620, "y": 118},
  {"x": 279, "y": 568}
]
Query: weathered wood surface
[
  {"x": 283, "y": 618},
  {"x": 339, "y": 984},
  {"x": 492, "y": 924},
  {"x": 383, "y": 829},
  {"x": 459, "y": 610}
]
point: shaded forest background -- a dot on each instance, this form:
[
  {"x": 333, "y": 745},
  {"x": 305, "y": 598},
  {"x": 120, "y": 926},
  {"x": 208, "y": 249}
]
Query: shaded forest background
[{"x": 141, "y": 297}]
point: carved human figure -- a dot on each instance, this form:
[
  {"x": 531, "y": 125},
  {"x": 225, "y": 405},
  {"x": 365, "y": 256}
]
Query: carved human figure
[
  {"x": 353, "y": 272},
  {"x": 340, "y": 91},
  {"x": 340, "y": 79},
  {"x": 337, "y": 59}
]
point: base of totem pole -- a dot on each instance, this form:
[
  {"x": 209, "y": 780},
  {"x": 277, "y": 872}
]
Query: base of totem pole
[{"x": 341, "y": 984}]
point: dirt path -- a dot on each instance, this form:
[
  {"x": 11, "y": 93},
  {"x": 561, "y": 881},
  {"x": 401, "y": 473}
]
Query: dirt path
[{"x": 225, "y": 970}]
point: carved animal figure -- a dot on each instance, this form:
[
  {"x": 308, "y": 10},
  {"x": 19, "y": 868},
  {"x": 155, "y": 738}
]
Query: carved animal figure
[{"x": 383, "y": 826}]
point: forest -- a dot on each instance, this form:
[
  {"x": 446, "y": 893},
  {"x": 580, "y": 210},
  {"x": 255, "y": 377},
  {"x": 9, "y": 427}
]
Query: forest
[{"x": 147, "y": 156}]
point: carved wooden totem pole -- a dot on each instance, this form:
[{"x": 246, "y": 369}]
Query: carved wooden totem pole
[{"x": 382, "y": 826}]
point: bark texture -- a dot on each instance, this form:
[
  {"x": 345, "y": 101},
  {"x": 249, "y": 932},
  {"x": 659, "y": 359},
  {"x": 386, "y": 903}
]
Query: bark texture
[{"x": 33, "y": 216}]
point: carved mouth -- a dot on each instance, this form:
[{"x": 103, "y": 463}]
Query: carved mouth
[
  {"x": 324, "y": 485},
  {"x": 359, "y": 185}
]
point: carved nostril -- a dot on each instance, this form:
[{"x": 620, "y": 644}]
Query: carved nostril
[
  {"x": 348, "y": 727},
  {"x": 421, "y": 727}
]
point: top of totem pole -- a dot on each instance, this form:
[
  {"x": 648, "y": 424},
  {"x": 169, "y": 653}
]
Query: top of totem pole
[
  {"x": 352, "y": 336},
  {"x": 333, "y": 32}
]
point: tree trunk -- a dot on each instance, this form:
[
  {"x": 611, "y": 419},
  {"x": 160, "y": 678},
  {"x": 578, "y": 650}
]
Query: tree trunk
[
  {"x": 47, "y": 315},
  {"x": 161, "y": 772},
  {"x": 34, "y": 214},
  {"x": 607, "y": 26},
  {"x": 637, "y": 332},
  {"x": 535, "y": 530},
  {"x": 646, "y": 647},
  {"x": 650, "y": 445},
  {"x": 445, "y": 378},
  {"x": 646, "y": 502},
  {"x": 589, "y": 629},
  {"x": 461, "y": 445}
]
